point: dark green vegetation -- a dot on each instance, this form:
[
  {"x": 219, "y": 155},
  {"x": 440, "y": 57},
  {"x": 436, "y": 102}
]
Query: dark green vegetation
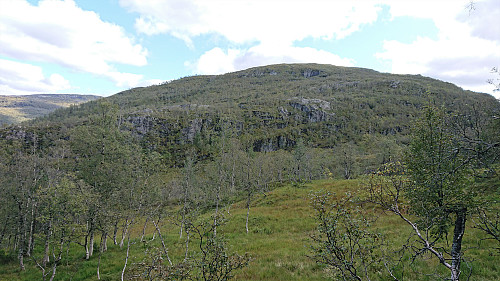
[
  {"x": 15, "y": 109},
  {"x": 210, "y": 178}
]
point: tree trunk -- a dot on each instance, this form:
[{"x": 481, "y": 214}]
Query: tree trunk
[
  {"x": 347, "y": 172},
  {"x": 105, "y": 246},
  {"x": 21, "y": 258},
  {"x": 4, "y": 230},
  {"x": 248, "y": 213},
  {"x": 21, "y": 240},
  {"x": 53, "y": 272},
  {"x": 456, "y": 247},
  {"x": 217, "y": 199},
  {"x": 144, "y": 229},
  {"x": 91, "y": 242},
  {"x": 184, "y": 208},
  {"x": 126, "y": 258},
  {"x": 2, "y": 236},
  {"x": 182, "y": 226},
  {"x": 16, "y": 239},
  {"x": 10, "y": 242},
  {"x": 165, "y": 249},
  {"x": 233, "y": 175},
  {"x": 248, "y": 207},
  {"x": 87, "y": 255},
  {"x": 32, "y": 229},
  {"x": 101, "y": 248},
  {"x": 58, "y": 258},
  {"x": 187, "y": 245},
  {"x": 124, "y": 232},
  {"x": 115, "y": 232},
  {"x": 46, "y": 258}
]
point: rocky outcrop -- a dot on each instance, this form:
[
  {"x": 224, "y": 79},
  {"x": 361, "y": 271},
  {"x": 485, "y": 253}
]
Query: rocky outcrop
[
  {"x": 272, "y": 144},
  {"x": 283, "y": 112},
  {"x": 308, "y": 73},
  {"x": 314, "y": 108},
  {"x": 394, "y": 84},
  {"x": 263, "y": 115},
  {"x": 141, "y": 124},
  {"x": 16, "y": 133},
  {"x": 192, "y": 130}
]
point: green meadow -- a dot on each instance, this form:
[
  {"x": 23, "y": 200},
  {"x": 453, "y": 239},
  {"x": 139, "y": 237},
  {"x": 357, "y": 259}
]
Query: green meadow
[{"x": 279, "y": 242}]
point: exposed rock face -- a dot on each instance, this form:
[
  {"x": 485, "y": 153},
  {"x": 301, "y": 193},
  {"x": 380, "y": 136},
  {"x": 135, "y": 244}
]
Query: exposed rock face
[
  {"x": 394, "y": 84},
  {"x": 141, "y": 124},
  {"x": 310, "y": 110},
  {"x": 263, "y": 115},
  {"x": 283, "y": 112},
  {"x": 310, "y": 73},
  {"x": 20, "y": 133},
  {"x": 17, "y": 133},
  {"x": 194, "y": 128},
  {"x": 315, "y": 108},
  {"x": 273, "y": 144},
  {"x": 315, "y": 103}
]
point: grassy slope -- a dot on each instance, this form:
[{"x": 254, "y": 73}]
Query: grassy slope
[{"x": 280, "y": 227}]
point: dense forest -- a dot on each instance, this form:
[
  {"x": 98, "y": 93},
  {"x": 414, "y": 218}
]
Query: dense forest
[{"x": 176, "y": 177}]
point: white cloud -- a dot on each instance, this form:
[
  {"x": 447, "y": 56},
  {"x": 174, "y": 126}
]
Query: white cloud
[
  {"x": 483, "y": 20},
  {"x": 21, "y": 79},
  {"x": 145, "y": 83},
  {"x": 466, "y": 48},
  {"x": 269, "y": 27},
  {"x": 276, "y": 21},
  {"x": 217, "y": 61},
  {"x": 124, "y": 79},
  {"x": 60, "y": 32}
]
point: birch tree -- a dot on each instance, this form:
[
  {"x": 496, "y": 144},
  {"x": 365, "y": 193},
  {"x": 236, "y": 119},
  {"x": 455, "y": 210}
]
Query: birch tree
[{"x": 438, "y": 185}]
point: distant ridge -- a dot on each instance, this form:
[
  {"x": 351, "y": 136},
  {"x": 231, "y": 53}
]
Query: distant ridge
[{"x": 16, "y": 109}]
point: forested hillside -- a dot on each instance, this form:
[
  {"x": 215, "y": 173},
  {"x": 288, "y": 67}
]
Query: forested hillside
[
  {"x": 15, "y": 109},
  {"x": 158, "y": 171},
  {"x": 270, "y": 108}
]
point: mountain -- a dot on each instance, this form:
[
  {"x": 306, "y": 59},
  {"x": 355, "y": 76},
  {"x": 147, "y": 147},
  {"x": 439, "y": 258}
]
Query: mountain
[
  {"x": 360, "y": 113},
  {"x": 178, "y": 161},
  {"x": 15, "y": 109},
  {"x": 271, "y": 107}
]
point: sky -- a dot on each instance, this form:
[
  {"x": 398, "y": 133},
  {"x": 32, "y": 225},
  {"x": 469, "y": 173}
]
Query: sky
[{"x": 103, "y": 47}]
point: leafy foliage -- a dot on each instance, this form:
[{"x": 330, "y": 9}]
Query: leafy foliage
[
  {"x": 440, "y": 173},
  {"x": 181, "y": 151},
  {"x": 344, "y": 242}
]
